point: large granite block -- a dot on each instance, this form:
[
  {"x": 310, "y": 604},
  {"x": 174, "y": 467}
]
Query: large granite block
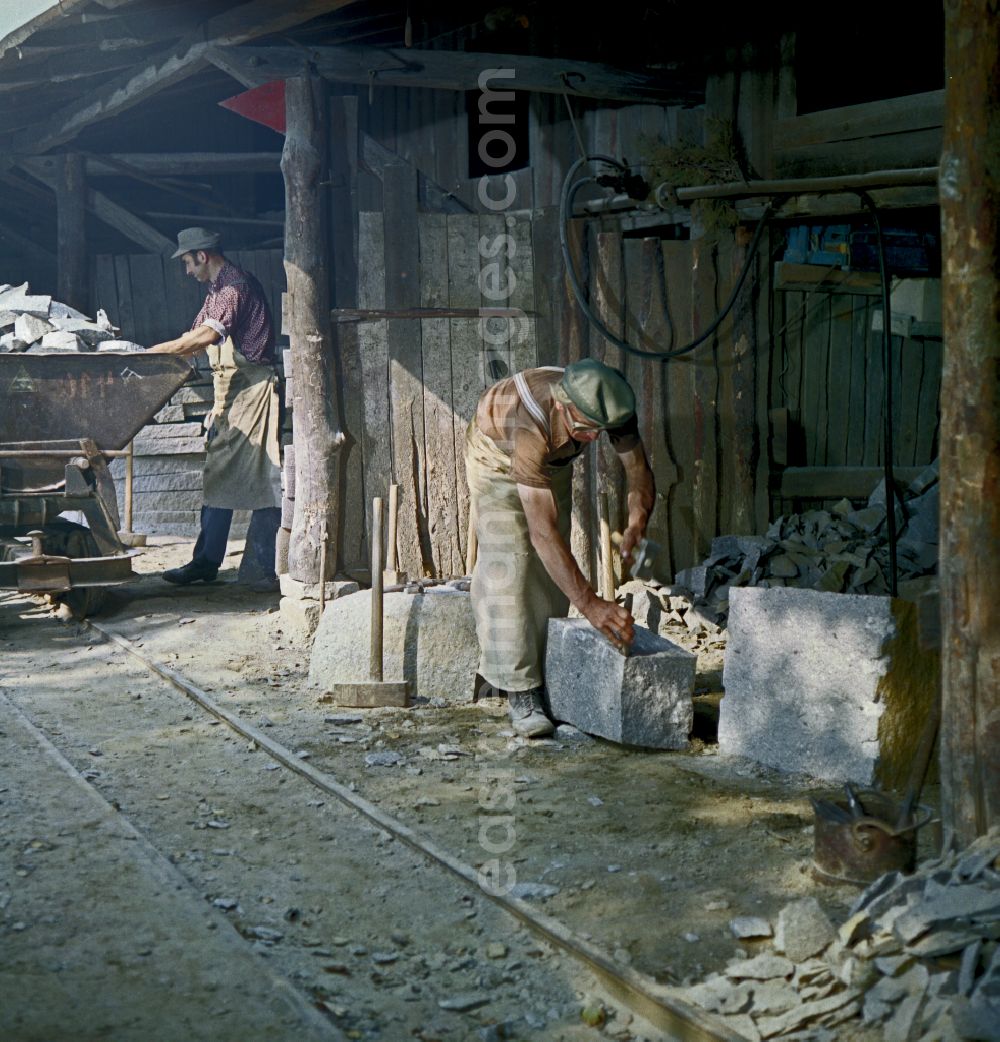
[
  {"x": 427, "y": 638},
  {"x": 834, "y": 685},
  {"x": 642, "y": 699}
]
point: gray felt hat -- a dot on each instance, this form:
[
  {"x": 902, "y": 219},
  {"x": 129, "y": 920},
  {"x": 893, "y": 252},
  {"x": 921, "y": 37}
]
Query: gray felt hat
[
  {"x": 601, "y": 393},
  {"x": 191, "y": 239}
]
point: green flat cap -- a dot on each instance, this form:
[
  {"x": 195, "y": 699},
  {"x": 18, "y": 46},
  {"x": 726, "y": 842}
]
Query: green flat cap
[
  {"x": 191, "y": 239},
  {"x": 601, "y": 393}
]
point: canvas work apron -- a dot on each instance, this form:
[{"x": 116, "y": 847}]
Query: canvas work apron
[
  {"x": 242, "y": 466},
  {"x": 513, "y": 596}
]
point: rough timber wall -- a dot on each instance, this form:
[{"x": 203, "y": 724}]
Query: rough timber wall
[{"x": 419, "y": 379}]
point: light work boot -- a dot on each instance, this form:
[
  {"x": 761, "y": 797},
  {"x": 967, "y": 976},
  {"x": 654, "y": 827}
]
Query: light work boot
[{"x": 527, "y": 713}]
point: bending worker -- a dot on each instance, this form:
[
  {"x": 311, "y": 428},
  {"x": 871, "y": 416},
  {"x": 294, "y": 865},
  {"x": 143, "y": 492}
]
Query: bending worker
[
  {"x": 242, "y": 468},
  {"x": 520, "y": 447}
]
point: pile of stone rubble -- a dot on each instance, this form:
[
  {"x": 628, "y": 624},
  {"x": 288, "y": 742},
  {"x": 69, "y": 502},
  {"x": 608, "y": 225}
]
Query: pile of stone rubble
[
  {"x": 842, "y": 550},
  {"x": 917, "y": 960},
  {"x": 40, "y": 324}
]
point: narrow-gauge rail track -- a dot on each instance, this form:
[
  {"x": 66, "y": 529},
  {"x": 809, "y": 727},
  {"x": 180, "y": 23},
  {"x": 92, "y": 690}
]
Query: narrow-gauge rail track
[
  {"x": 658, "y": 1004},
  {"x": 379, "y": 848}
]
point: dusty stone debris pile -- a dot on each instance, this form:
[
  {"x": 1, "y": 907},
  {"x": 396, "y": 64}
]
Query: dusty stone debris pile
[
  {"x": 40, "y": 324},
  {"x": 917, "y": 960},
  {"x": 842, "y": 550}
]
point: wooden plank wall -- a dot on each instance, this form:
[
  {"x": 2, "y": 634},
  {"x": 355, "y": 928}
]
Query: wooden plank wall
[
  {"x": 420, "y": 379},
  {"x": 429, "y": 129},
  {"x": 698, "y": 413},
  {"x": 152, "y": 300},
  {"x": 828, "y": 373}
]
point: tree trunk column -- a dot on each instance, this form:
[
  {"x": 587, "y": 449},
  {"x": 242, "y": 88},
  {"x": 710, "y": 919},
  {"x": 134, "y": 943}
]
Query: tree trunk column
[
  {"x": 317, "y": 431},
  {"x": 71, "y": 214},
  {"x": 970, "y": 424}
]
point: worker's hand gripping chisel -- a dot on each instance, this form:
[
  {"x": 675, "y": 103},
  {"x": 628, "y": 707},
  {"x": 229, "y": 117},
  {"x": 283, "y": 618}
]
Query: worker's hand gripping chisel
[
  {"x": 644, "y": 560},
  {"x": 641, "y": 562}
]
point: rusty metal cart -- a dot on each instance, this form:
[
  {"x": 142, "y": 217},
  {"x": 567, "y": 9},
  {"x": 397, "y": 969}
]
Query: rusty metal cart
[{"x": 62, "y": 416}]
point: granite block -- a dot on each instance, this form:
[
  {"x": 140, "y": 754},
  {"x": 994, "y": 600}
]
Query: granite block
[{"x": 641, "y": 699}]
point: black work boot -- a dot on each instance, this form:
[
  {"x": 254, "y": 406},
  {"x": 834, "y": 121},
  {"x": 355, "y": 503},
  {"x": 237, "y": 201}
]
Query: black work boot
[
  {"x": 527, "y": 713},
  {"x": 192, "y": 572}
]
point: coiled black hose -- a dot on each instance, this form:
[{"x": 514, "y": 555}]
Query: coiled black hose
[{"x": 569, "y": 190}]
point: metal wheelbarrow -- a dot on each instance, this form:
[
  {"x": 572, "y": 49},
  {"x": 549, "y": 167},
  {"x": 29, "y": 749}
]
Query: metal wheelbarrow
[{"x": 62, "y": 416}]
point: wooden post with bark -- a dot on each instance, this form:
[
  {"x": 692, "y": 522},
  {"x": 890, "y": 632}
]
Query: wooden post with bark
[
  {"x": 315, "y": 402},
  {"x": 970, "y": 424},
  {"x": 71, "y": 231}
]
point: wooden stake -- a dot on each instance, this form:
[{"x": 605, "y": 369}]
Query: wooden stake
[
  {"x": 375, "y": 667},
  {"x": 607, "y": 566},
  {"x": 324, "y": 550},
  {"x": 392, "y": 576},
  {"x": 129, "y": 477}
]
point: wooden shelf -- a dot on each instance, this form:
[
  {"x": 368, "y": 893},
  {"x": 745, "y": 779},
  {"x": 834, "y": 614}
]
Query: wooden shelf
[
  {"x": 801, "y": 278},
  {"x": 835, "y": 482}
]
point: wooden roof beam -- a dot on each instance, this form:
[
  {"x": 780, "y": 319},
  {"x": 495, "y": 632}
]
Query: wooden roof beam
[
  {"x": 57, "y": 9},
  {"x": 455, "y": 70},
  {"x": 246, "y": 22},
  {"x": 181, "y": 164},
  {"x": 161, "y": 164}
]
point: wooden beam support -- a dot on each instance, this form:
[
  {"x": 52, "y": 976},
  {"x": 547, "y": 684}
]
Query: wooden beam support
[
  {"x": 202, "y": 198},
  {"x": 106, "y": 209},
  {"x": 970, "y": 425},
  {"x": 126, "y": 222},
  {"x": 30, "y": 248},
  {"x": 316, "y": 398},
  {"x": 245, "y": 22},
  {"x": 55, "y": 9},
  {"x": 891, "y": 116},
  {"x": 112, "y": 99},
  {"x": 457, "y": 70},
  {"x": 71, "y": 215},
  {"x": 190, "y": 164},
  {"x": 431, "y": 196}
]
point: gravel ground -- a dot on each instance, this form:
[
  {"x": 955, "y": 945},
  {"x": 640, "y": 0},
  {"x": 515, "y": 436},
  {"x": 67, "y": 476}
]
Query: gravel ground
[{"x": 646, "y": 854}]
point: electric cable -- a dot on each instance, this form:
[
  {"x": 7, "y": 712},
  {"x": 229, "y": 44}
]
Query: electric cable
[
  {"x": 568, "y": 194},
  {"x": 564, "y": 76},
  {"x": 569, "y": 190},
  {"x": 887, "y": 448}
]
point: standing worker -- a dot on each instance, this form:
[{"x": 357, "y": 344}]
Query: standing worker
[
  {"x": 527, "y": 431},
  {"x": 242, "y": 464}
]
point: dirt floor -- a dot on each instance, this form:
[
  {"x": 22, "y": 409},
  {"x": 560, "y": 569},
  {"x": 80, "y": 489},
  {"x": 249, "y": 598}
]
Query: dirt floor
[{"x": 222, "y": 890}]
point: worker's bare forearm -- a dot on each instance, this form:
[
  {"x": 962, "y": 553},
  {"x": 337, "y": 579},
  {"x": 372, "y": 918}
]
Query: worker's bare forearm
[
  {"x": 191, "y": 343},
  {"x": 641, "y": 487},
  {"x": 562, "y": 567},
  {"x": 542, "y": 515}
]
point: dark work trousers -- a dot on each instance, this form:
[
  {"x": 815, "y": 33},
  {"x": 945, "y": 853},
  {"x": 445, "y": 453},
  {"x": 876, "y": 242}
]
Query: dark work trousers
[{"x": 258, "y": 556}]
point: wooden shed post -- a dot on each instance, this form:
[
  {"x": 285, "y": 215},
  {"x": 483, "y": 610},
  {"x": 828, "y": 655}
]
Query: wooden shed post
[
  {"x": 970, "y": 424},
  {"x": 71, "y": 231},
  {"x": 317, "y": 433}
]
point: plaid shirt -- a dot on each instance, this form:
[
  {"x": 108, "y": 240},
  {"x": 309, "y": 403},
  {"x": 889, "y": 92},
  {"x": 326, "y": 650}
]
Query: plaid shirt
[{"x": 236, "y": 307}]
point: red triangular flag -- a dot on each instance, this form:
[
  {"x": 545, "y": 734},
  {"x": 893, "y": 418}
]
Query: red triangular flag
[{"x": 265, "y": 104}]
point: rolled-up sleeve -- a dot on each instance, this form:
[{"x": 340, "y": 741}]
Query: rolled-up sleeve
[{"x": 220, "y": 311}]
